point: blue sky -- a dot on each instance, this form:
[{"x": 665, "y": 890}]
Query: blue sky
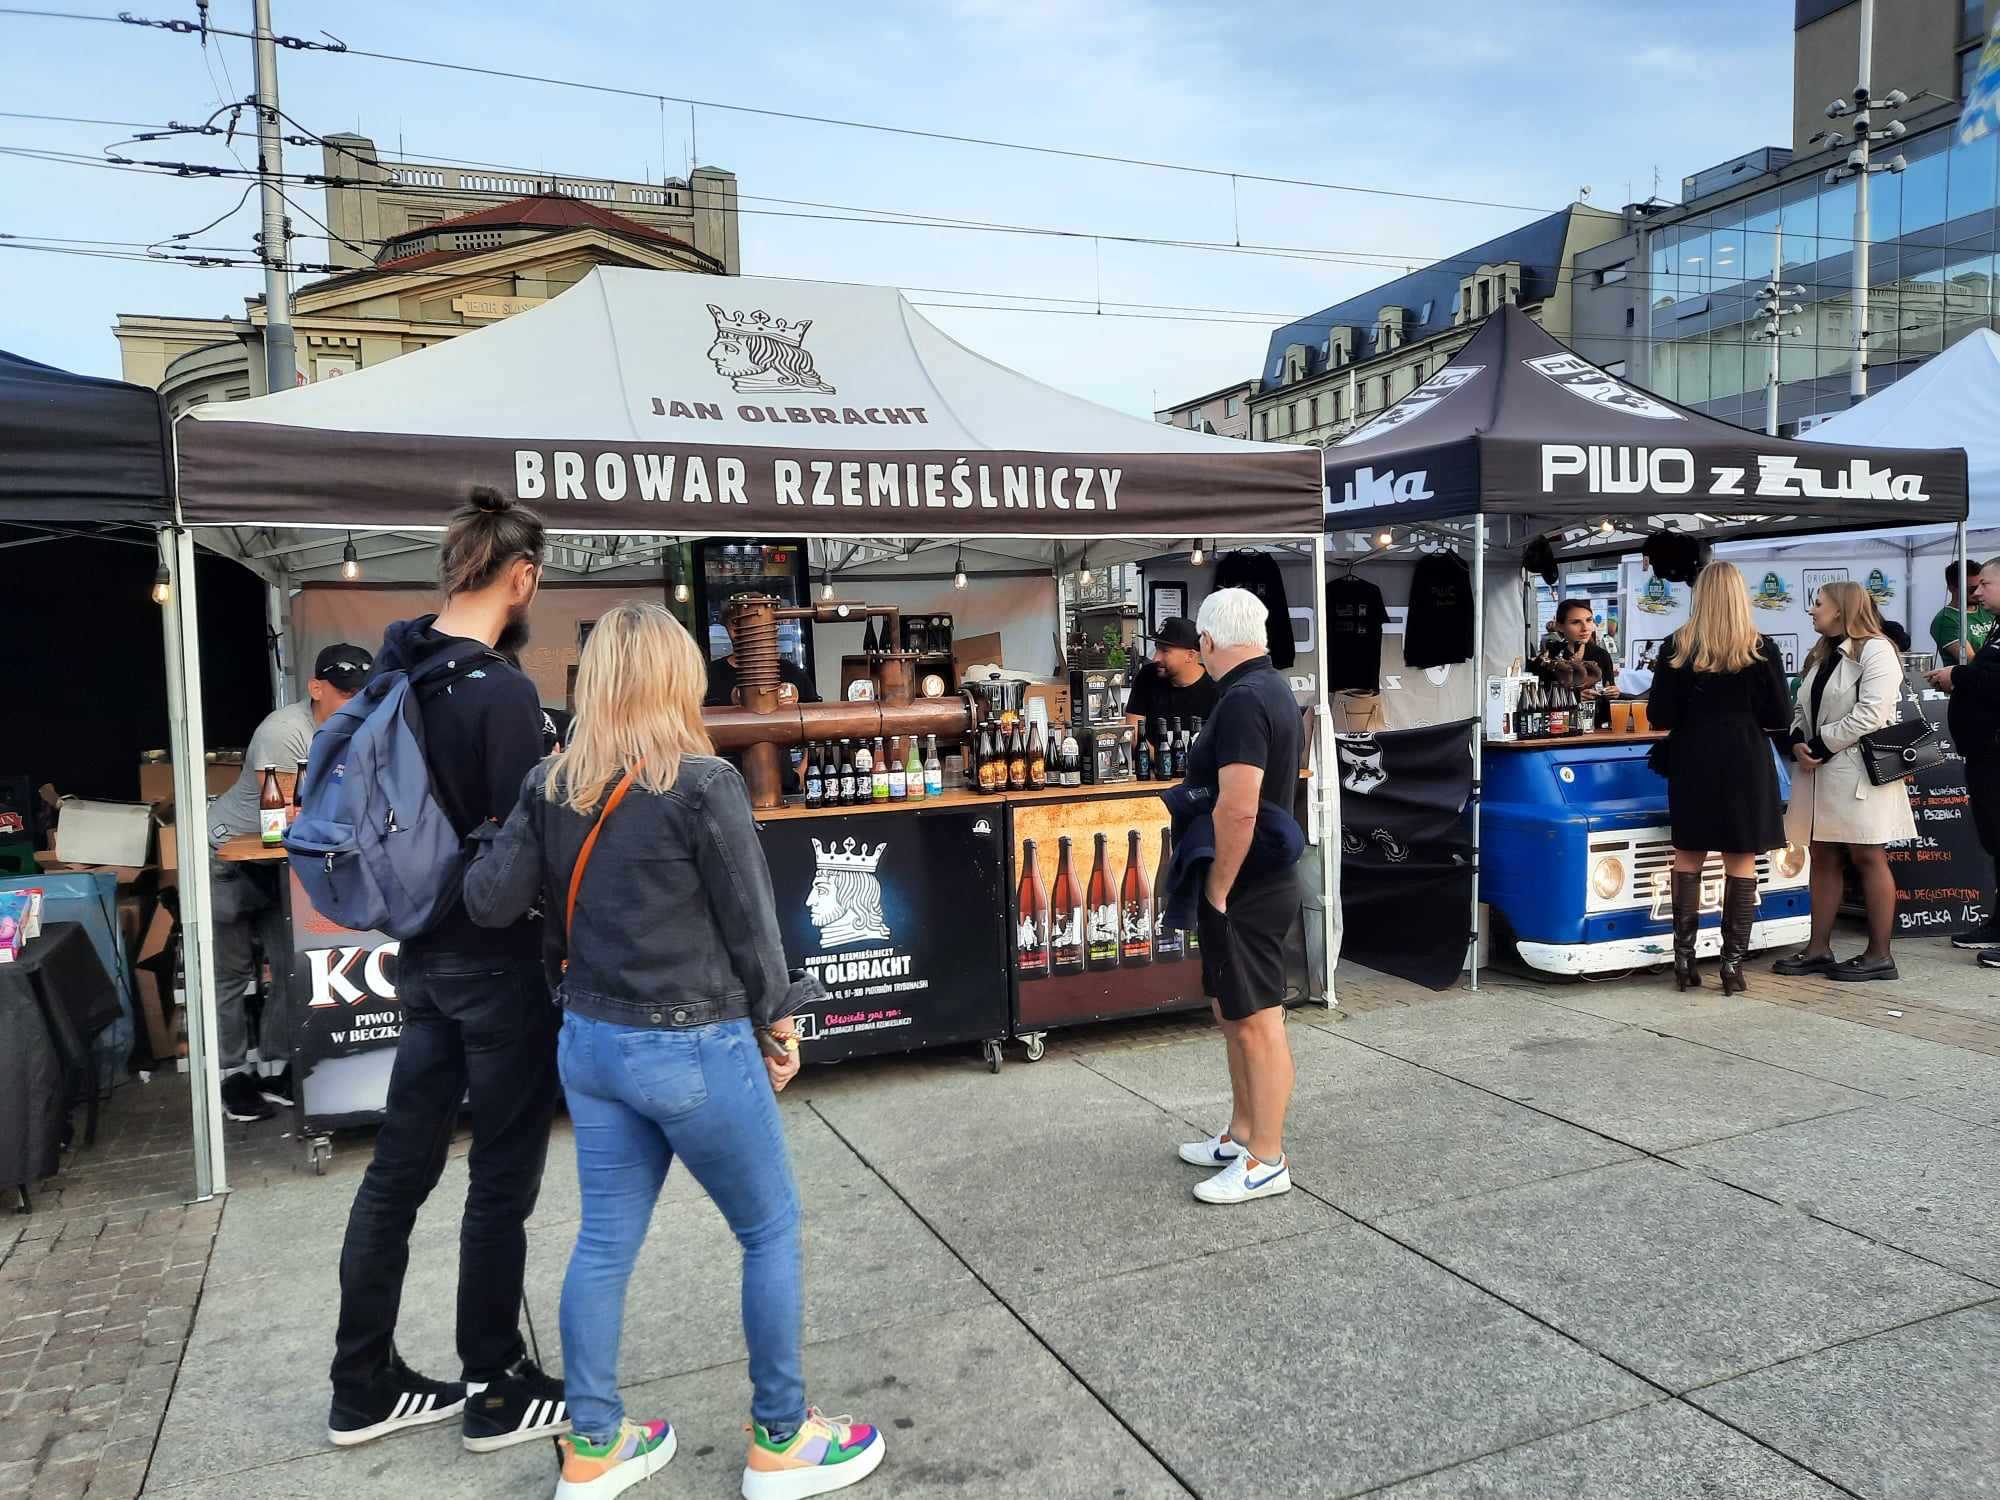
[{"x": 1519, "y": 103}]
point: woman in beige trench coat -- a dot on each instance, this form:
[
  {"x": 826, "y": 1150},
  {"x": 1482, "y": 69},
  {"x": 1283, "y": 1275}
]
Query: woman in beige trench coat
[{"x": 1849, "y": 688}]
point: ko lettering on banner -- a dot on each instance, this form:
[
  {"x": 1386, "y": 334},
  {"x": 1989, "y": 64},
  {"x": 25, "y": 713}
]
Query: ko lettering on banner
[{"x": 346, "y": 1016}]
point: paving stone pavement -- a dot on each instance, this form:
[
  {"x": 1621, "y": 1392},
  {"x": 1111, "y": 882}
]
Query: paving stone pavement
[{"x": 1597, "y": 1241}]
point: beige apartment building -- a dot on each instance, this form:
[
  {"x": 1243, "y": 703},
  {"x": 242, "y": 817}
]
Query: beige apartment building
[
  {"x": 1225, "y": 413},
  {"x": 436, "y": 251}
]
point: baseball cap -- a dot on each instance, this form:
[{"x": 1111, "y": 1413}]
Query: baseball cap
[
  {"x": 1178, "y": 631},
  {"x": 345, "y": 666}
]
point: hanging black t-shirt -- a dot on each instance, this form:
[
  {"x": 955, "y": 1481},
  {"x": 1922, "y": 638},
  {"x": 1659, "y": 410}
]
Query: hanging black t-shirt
[
  {"x": 1259, "y": 573},
  {"x": 1438, "y": 630},
  {"x": 1355, "y": 616}
]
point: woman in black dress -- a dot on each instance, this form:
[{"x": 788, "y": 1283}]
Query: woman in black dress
[{"x": 1720, "y": 695}]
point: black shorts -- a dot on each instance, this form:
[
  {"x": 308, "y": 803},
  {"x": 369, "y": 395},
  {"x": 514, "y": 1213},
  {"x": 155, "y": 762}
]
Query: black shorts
[{"x": 1243, "y": 949}]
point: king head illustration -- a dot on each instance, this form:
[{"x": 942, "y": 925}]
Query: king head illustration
[
  {"x": 761, "y": 353},
  {"x": 845, "y": 901}
]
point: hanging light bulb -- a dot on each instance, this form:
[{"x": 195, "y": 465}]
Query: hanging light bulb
[
  {"x": 958, "y": 579},
  {"x": 1384, "y": 537},
  {"x": 350, "y": 560},
  {"x": 1198, "y": 555},
  {"x": 826, "y": 584},
  {"x": 1085, "y": 576},
  {"x": 163, "y": 586},
  {"x": 1604, "y": 527},
  {"x": 681, "y": 593}
]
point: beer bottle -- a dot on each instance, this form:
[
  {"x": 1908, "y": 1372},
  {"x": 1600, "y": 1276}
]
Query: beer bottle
[
  {"x": 1101, "y": 921},
  {"x": 298, "y": 791},
  {"x": 878, "y": 767},
  {"x": 1072, "y": 758},
  {"x": 1017, "y": 758},
  {"x": 1558, "y": 713},
  {"x": 847, "y": 772},
  {"x": 1135, "y": 938},
  {"x": 1181, "y": 746},
  {"x": 992, "y": 769},
  {"x": 899, "y": 779},
  {"x": 1038, "y": 758},
  {"x": 1163, "y": 758},
  {"x": 913, "y": 773},
  {"x": 1031, "y": 932},
  {"x": 1066, "y": 923},
  {"x": 815, "y": 778},
  {"x": 933, "y": 772},
  {"x": 271, "y": 809},
  {"x": 869, "y": 642},
  {"x": 1142, "y": 758},
  {"x": 1167, "y": 942}
]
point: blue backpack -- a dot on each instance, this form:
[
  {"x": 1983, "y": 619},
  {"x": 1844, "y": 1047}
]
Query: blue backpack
[{"x": 373, "y": 848}]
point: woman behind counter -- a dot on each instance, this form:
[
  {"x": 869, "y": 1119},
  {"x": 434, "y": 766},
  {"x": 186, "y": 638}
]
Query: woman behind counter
[
  {"x": 1719, "y": 692},
  {"x": 1849, "y": 687}
]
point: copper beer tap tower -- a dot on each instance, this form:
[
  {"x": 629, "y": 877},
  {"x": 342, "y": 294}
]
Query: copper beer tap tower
[{"x": 761, "y": 721}]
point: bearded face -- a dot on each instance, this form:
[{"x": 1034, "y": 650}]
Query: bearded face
[{"x": 731, "y": 358}]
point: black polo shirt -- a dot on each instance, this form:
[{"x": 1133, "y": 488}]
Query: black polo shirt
[{"x": 1256, "y": 723}]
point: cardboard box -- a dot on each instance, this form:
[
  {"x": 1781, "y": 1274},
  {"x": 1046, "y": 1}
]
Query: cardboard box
[
  {"x": 104, "y": 833},
  {"x": 156, "y": 779},
  {"x": 976, "y": 650},
  {"x": 1054, "y": 698}
]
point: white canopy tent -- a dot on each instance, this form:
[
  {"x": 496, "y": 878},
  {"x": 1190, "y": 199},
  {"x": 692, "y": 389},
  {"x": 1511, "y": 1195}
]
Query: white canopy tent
[{"x": 640, "y": 408}]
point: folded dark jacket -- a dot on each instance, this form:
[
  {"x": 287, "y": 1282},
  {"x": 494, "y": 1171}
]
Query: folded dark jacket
[{"x": 1275, "y": 845}]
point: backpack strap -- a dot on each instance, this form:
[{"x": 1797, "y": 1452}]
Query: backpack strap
[{"x": 583, "y": 856}]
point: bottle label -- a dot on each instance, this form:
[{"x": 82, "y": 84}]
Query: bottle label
[
  {"x": 1031, "y": 945},
  {"x": 934, "y": 781},
  {"x": 1136, "y": 943},
  {"x": 1167, "y": 945},
  {"x": 899, "y": 784},
  {"x": 1103, "y": 947},
  {"x": 271, "y": 824},
  {"x": 1066, "y": 941},
  {"x": 846, "y": 788}
]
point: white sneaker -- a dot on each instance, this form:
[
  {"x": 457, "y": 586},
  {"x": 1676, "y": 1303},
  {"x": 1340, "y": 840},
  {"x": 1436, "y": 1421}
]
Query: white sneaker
[
  {"x": 1246, "y": 1178},
  {"x": 1213, "y": 1152}
]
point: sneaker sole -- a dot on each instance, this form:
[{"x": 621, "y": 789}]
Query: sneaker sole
[
  {"x": 798, "y": 1484},
  {"x": 358, "y": 1435},
  {"x": 244, "y": 1118},
  {"x": 1982, "y": 945},
  {"x": 1269, "y": 1190},
  {"x": 617, "y": 1481},
  {"x": 520, "y": 1435}
]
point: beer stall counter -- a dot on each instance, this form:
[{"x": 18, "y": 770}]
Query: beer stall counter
[
  {"x": 692, "y": 408},
  {"x": 1524, "y": 453}
]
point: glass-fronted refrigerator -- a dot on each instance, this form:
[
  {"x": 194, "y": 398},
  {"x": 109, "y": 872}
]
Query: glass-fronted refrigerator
[{"x": 725, "y": 567}]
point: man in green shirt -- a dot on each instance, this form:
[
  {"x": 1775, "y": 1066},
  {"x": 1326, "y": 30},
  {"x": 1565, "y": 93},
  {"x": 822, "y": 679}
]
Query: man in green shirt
[{"x": 1978, "y": 623}]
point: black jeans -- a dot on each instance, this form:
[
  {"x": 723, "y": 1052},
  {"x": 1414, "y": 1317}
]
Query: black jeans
[{"x": 477, "y": 1028}]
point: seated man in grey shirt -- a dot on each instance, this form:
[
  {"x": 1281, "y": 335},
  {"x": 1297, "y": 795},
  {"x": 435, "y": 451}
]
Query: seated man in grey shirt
[{"x": 244, "y": 897}]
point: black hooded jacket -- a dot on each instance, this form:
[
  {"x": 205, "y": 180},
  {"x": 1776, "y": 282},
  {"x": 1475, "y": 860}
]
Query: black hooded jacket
[{"x": 1259, "y": 573}]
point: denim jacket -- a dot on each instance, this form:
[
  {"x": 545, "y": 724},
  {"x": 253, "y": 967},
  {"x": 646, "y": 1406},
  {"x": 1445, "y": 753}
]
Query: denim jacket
[{"x": 675, "y": 925}]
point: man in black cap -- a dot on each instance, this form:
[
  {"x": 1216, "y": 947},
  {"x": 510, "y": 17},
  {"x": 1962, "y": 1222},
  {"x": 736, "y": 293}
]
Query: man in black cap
[
  {"x": 1174, "y": 684},
  {"x": 244, "y": 896}
]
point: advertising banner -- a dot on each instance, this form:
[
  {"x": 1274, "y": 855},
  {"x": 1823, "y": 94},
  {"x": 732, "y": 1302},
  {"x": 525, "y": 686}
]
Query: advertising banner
[
  {"x": 345, "y": 1016},
  {"x": 1406, "y": 859},
  {"x": 901, "y": 916},
  {"x": 1782, "y": 591},
  {"x": 1941, "y": 874},
  {"x": 1090, "y": 940}
]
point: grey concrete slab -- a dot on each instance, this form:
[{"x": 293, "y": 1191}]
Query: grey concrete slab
[
  {"x": 1323, "y": 1366},
  {"x": 1913, "y": 1414},
  {"x": 948, "y": 1115},
  {"x": 1090, "y": 1205},
  {"x": 1651, "y": 1001},
  {"x": 1677, "y": 1277},
  {"x": 1655, "y": 1092},
  {"x": 253, "y": 1384},
  {"x": 1446, "y": 1033},
  {"x": 1844, "y": 1052},
  {"x": 1664, "y": 1452},
  {"x": 1369, "y": 1132},
  {"x": 1899, "y": 1173},
  {"x": 1977, "y": 1103}
]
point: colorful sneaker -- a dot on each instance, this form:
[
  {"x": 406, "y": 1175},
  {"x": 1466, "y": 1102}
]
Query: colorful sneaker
[
  {"x": 1246, "y": 1178},
  {"x": 1213, "y": 1152},
  {"x": 401, "y": 1398},
  {"x": 591, "y": 1471},
  {"x": 522, "y": 1405},
  {"x": 824, "y": 1455}
]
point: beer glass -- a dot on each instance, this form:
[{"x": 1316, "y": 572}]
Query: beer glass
[{"x": 1639, "y": 725}]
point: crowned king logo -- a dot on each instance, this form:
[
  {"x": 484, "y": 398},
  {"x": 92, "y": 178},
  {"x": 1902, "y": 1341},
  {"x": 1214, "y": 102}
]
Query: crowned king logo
[
  {"x": 758, "y": 352},
  {"x": 845, "y": 901}
]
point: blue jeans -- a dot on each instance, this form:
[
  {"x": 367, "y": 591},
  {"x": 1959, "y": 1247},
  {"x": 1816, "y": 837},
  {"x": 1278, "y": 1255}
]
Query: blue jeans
[{"x": 638, "y": 1097}]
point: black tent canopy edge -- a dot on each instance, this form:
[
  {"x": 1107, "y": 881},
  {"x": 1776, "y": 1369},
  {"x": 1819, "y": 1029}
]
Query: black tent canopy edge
[{"x": 81, "y": 450}]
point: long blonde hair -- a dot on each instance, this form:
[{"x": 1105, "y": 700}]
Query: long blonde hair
[
  {"x": 1719, "y": 635},
  {"x": 1860, "y": 621},
  {"x": 638, "y": 707}
]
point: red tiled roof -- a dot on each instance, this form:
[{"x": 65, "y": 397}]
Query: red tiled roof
[{"x": 541, "y": 211}]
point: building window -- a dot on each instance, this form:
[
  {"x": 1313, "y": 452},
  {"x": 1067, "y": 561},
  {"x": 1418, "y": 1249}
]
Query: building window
[
  {"x": 1231, "y": 405},
  {"x": 1339, "y": 406},
  {"x": 1300, "y": 420},
  {"x": 1971, "y": 20},
  {"x": 1465, "y": 293},
  {"x": 1485, "y": 297},
  {"x": 1612, "y": 275},
  {"x": 1416, "y": 374},
  {"x": 1968, "y": 70},
  {"x": 1263, "y": 424}
]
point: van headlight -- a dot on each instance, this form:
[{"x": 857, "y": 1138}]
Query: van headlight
[
  {"x": 1607, "y": 877},
  {"x": 1790, "y": 860}
]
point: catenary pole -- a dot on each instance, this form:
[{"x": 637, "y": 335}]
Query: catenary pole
[
  {"x": 1857, "y": 388},
  {"x": 280, "y": 358}
]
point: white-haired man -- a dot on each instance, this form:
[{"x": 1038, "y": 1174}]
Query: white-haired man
[{"x": 1247, "y": 759}]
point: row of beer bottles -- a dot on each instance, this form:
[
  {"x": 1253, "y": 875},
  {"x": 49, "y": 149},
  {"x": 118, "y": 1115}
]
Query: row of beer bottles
[
  {"x": 1014, "y": 757},
  {"x": 1066, "y": 931},
  {"x": 1162, "y": 751},
  {"x": 841, "y": 773}
]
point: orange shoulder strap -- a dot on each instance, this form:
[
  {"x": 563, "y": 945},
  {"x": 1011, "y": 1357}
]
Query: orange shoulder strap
[{"x": 590, "y": 842}]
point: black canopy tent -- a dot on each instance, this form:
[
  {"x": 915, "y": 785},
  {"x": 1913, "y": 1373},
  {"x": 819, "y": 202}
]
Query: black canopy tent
[
  {"x": 76, "y": 450},
  {"x": 1517, "y": 426}
]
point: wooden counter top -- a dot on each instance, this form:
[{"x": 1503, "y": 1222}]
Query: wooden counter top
[
  {"x": 248, "y": 849},
  {"x": 1580, "y": 741},
  {"x": 959, "y": 798}
]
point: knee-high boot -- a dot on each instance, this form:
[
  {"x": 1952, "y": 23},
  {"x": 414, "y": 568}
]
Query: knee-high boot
[
  {"x": 1687, "y": 923},
  {"x": 1739, "y": 911}
]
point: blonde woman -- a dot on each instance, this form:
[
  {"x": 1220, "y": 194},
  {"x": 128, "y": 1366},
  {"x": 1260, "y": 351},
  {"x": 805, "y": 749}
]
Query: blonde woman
[
  {"x": 676, "y": 1032},
  {"x": 1720, "y": 695},
  {"x": 1849, "y": 687}
]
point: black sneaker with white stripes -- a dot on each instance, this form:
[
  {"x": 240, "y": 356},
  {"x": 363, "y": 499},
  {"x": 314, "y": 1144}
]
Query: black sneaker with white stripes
[
  {"x": 519, "y": 1407},
  {"x": 401, "y": 1398}
]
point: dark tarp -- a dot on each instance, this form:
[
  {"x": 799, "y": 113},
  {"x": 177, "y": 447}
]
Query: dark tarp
[
  {"x": 74, "y": 448},
  {"x": 1516, "y": 424}
]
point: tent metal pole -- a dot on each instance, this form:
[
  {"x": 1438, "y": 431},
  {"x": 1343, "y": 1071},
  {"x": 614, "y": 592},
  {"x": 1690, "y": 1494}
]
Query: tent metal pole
[
  {"x": 1479, "y": 722},
  {"x": 183, "y": 645},
  {"x": 1964, "y": 650},
  {"x": 1327, "y": 793},
  {"x": 277, "y": 599}
]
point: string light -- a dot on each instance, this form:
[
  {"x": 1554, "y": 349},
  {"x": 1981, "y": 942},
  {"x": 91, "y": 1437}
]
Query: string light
[
  {"x": 826, "y": 583},
  {"x": 163, "y": 586},
  {"x": 350, "y": 560},
  {"x": 1085, "y": 576},
  {"x": 1198, "y": 556},
  {"x": 1384, "y": 537},
  {"x": 681, "y": 593},
  {"x": 958, "y": 579},
  {"x": 1604, "y": 527}
]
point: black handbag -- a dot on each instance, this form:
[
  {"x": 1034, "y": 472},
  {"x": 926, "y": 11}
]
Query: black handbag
[{"x": 1900, "y": 751}]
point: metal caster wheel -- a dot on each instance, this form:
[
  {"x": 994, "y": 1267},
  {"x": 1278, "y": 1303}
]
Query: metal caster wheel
[
  {"x": 1037, "y": 1045},
  {"x": 992, "y": 1050},
  {"x": 319, "y": 1151}
]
